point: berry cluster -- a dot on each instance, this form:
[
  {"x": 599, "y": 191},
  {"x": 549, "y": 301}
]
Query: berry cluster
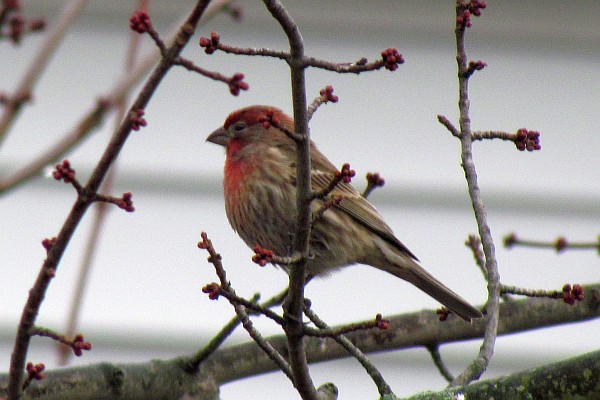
[
  {"x": 262, "y": 256},
  {"x": 48, "y": 243},
  {"x": 346, "y": 174},
  {"x": 213, "y": 289},
  {"x": 327, "y": 95},
  {"x": 474, "y": 66},
  {"x": 126, "y": 203},
  {"x": 17, "y": 24},
  {"x": 374, "y": 179},
  {"x": 269, "y": 119},
  {"x": 561, "y": 244},
  {"x": 203, "y": 244},
  {"x": 510, "y": 240},
  {"x": 140, "y": 21},
  {"x": 443, "y": 313},
  {"x": 236, "y": 83},
  {"x": 210, "y": 44},
  {"x": 476, "y": 6},
  {"x": 64, "y": 172},
  {"x": 473, "y": 8},
  {"x": 572, "y": 294},
  {"x": 382, "y": 323},
  {"x": 392, "y": 59},
  {"x": 477, "y": 65},
  {"x": 35, "y": 371},
  {"x": 527, "y": 140},
  {"x": 12, "y": 5},
  {"x": 79, "y": 345},
  {"x": 137, "y": 119}
]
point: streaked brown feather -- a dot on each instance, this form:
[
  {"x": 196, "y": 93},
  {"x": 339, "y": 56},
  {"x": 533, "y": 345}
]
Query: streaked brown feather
[{"x": 358, "y": 208}]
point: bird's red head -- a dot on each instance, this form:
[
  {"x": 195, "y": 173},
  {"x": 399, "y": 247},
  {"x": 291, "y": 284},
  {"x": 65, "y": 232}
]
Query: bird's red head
[
  {"x": 250, "y": 138},
  {"x": 251, "y": 115},
  {"x": 244, "y": 124}
]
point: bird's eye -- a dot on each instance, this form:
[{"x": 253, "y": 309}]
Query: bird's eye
[{"x": 240, "y": 126}]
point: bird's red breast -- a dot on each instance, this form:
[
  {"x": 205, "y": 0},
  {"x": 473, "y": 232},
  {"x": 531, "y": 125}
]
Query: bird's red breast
[{"x": 236, "y": 168}]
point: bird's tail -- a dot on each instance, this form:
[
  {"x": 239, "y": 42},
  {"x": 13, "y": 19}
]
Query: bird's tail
[{"x": 403, "y": 266}]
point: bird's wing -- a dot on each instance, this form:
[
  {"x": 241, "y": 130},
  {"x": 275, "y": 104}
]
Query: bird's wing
[{"x": 358, "y": 207}]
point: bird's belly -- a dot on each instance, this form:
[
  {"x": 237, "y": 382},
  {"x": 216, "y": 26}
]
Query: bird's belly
[
  {"x": 275, "y": 212},
  {"x": 335, "y": 243},
  {"x": 335, "y": 239}
]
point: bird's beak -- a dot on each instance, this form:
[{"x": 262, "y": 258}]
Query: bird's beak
[{"x": 220, "y": 137}]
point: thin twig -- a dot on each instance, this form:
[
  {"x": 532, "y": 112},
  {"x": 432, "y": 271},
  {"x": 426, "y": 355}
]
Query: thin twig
[
  {"x": 240, "y": 305},
  {"x": 382, "y": 385},
  {"x": 570, "y": 294},
  {"x": 340, "y": 330},
  {"x": 356, "y": 67},
  {"x": 325, "y": 96},
  {"x": 550, "y": 294},
  {"x": 434, "y": 351},
  {"x": 75, "y": 342},
  {"x": 194, "y": 362},
  {"x": 295, "y": 301},
  {"x": 326, "y": 205},
  {"x": 262, "y": 343},
  {"x": 344, "y": 175},
  {"x": 560, "y": 244},
  {"x": 483, "y": 135},
  {"x": 254, "y": 307},
  {"x": 479, "y": 365},
  {"x": 449, "y": 125},
  {"x": 474, "y": 243},
  {"x": 83, "y": 128}
]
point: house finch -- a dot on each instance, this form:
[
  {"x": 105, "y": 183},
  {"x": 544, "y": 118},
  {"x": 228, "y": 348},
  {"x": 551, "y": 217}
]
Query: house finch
[{"x": 260, "y": 201}]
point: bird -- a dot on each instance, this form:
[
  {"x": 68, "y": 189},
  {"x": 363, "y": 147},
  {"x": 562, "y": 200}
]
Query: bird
[{"x": 259, "y": 186}]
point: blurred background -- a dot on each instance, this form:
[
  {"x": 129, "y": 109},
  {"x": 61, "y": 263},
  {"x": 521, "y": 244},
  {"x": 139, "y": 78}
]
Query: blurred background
[{"x": 143, "y": 300}]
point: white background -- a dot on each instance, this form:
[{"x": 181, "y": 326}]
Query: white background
[{"x": 144, "y": 300}]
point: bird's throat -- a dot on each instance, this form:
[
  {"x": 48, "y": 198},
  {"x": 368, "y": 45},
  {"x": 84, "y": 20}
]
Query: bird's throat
[{"x": 237, "y": 167}]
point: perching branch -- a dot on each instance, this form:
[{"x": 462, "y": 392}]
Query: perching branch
[
  {"x": 294, "y": 304},
  {"x": 417, "y": 329}
]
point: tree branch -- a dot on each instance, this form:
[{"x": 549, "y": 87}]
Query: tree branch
[
  {"x": 578, "y": 377},
  {"x": 479, "y": 365},
  {"x": 85, "y": 198},
  {"x": 294, "y": 304},
  {"x": 246, "y": 359},
  {"x": 382, "y": 386}
]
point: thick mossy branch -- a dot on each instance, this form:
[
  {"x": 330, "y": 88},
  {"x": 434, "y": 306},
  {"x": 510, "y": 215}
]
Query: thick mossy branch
[
  {"x": 576, "y": 378},
  {"x": 244, "y": 360}
]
